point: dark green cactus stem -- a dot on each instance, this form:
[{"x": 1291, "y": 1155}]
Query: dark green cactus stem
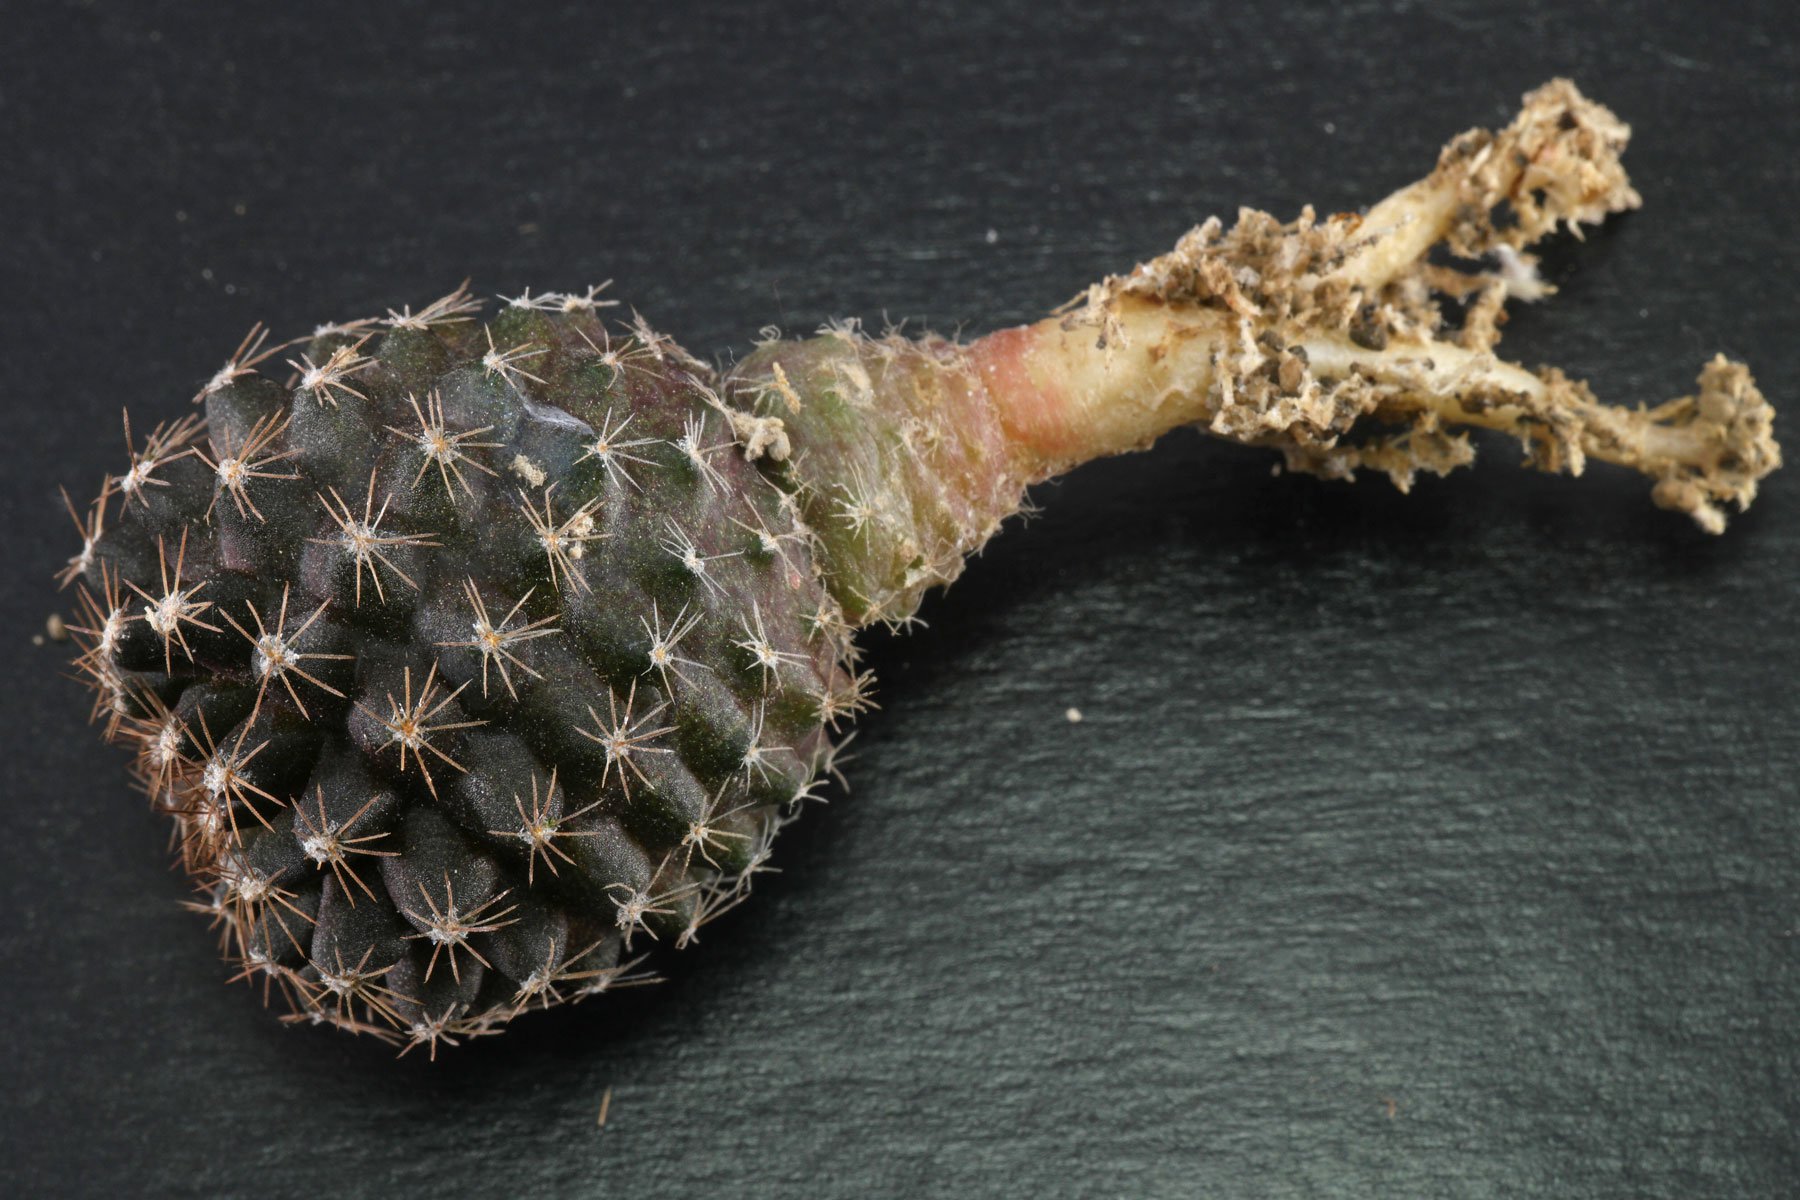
[{"x": 467, "y": 665}]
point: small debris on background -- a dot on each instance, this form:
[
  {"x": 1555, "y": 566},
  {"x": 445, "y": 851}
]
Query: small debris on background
[
  {"x": 1074, "y": 716},
  {"x": 605, "y": 1104}
]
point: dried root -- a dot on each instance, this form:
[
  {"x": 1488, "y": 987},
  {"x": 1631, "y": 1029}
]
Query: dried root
[{"x": 1293, "y": 335}]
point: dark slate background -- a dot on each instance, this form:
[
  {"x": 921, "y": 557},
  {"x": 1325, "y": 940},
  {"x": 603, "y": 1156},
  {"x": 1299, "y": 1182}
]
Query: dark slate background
[{"x": 1441, "y": 846}]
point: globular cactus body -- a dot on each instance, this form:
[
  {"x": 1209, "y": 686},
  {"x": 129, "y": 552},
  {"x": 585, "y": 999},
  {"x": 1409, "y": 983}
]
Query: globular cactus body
[{"x": 467, "y": 665}]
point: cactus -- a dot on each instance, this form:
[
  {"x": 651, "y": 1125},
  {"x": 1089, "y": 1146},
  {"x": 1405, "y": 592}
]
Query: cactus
[{"x": 478, "y": 656}]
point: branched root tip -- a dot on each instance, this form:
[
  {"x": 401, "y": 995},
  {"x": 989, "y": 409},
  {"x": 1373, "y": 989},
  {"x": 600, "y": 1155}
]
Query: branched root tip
[{"x": 1327, "y": 339}]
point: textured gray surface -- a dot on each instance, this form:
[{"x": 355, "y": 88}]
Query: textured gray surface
[{"x": 1441, "y": 845}]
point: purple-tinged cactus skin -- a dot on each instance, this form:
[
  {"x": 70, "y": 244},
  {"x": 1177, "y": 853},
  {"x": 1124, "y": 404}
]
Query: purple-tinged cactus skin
[
  {"x": 467, "y": 667},
  {"x": 490, "y": 649}
]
